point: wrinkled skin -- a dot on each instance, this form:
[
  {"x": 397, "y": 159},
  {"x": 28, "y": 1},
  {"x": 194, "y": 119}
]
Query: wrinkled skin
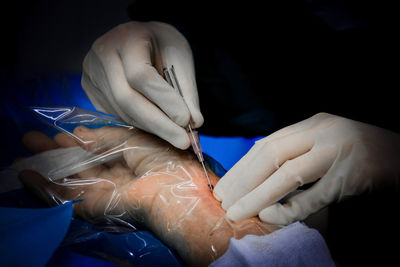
[{"x": 153, "y": 185}]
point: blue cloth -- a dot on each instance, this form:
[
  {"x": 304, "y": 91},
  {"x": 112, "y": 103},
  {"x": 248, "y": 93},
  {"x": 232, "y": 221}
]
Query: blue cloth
[
  {"x": 53, "y": 237},
  {"x": 65, "y": 257},
  {"x": 293, "y": 245},
  {"x": 226, "y": 150},
  {"x": 29, "y": 237}
]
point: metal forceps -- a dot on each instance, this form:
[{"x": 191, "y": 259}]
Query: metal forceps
[{"x": 194, "y": 137}]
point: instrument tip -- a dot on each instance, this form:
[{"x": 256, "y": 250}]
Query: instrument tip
[{"x": 208, "y": 178}]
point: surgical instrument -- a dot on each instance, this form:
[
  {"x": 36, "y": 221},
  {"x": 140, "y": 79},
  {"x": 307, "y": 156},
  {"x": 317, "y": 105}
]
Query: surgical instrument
[{"x": 194, "y": 137}]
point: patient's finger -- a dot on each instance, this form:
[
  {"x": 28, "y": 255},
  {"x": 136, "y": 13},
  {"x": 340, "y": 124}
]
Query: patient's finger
[
  {"x": 98, "y": 139},
  {"x": 37, "y": 142},
  {"x": 112, "y": 140},
  {"x": 93, "y": 192},
  {"x": 41, "y": 187},
  {"x": 64, "y": 140},
  {"x": 139, "y": 148},
  {"x": 101, "y": 139}
]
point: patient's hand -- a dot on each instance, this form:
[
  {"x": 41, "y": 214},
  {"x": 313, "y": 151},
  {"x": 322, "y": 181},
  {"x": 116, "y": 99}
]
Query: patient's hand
[{"x": 153, "y": 185}]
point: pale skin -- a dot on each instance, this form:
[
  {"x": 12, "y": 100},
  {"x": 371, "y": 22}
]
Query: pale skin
[{"x": 153, "y": 185}]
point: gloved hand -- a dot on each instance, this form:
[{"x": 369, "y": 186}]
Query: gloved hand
[
  {"x": 122, "y": 75},
  {"x": 345, "y": 157}
]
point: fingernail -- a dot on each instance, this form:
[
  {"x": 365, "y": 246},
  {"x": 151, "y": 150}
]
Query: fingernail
[
  {"x": 81, "y": 131},
  {"x": 215, "y": 193}
]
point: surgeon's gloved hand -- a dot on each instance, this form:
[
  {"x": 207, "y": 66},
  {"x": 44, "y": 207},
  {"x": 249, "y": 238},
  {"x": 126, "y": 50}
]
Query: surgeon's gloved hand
[
  {"x": 342, "y": 156},
  {"x": 122, "y": 75}
]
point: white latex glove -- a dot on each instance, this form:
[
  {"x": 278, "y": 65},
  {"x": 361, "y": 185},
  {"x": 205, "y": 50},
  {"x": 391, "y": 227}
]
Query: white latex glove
[
  {"x": 123, "y": 76},
  {"x": 348, "y": 158}
]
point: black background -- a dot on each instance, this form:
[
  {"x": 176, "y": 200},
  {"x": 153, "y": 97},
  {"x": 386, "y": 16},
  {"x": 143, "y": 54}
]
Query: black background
[{"x": 260, "y": 66}]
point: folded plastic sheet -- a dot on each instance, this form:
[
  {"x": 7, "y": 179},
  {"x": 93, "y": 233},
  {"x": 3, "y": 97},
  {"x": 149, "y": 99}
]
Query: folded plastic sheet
[
  {"x": 133, "y": 248},
  {"x": 103, "y": 144},
  {"x": 65, "y": 90},
  {"x": 138, "y": 248}
]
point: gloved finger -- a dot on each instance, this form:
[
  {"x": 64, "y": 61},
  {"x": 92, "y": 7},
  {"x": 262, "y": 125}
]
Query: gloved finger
[
  {"x": 225, "y": 183},
  {"x": 136, "y": 55},
  {"x": 143, "y": 113},
  {"x": 188, "y": 88},
  {"x": 302, "y": 170},
  {"x": 184, "y": 70},
  {"x": 254, "y": 154},
  {"x": 301, "y": 205},
  {"x": 258, "y": 164},
  {"x": 174, "y": 50},
  {"x": 103, "y": 100}
]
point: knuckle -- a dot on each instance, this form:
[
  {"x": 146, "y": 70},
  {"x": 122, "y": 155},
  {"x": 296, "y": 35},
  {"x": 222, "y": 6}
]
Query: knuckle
[
  {"x": 125, "y": 29},
  {"x": 162, "y": 26},
  {"x": 153, "y": 122},
  {"x": 100, "y": 44},
  {"x": 89, "y": 70},
  {"x": 322, "y": 115},
  {"x": 290, "y": 165},
  {"x": 122, "y": 99},
  {"x": 135, "y": 25},
  {"x": 144, "y": 41},
  {"x": 124, "y": 26},
  {"x": 86, "y": 64},
  {"x": 170, "y": 30},
  {"x": 181, "y": 118},
  {"x": 262, "y": 141},
  {"x": 135, "y": 76},
  {"x": 289, "y": 171},
  {"x": 270, "y": 149}
]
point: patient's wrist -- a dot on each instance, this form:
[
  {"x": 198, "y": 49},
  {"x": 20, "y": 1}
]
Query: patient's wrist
[{"x": 179, "y": 208}]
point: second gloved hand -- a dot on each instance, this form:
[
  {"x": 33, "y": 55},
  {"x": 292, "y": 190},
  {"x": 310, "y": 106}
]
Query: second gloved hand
[
  {"x": 342, "y": 156},
  {"x": 122, "y": 75}
]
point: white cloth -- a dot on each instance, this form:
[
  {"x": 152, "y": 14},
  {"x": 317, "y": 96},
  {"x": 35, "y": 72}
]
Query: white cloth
[
  {"x": 45, "y": 163},
  {"x": 293, "y": 245}
]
